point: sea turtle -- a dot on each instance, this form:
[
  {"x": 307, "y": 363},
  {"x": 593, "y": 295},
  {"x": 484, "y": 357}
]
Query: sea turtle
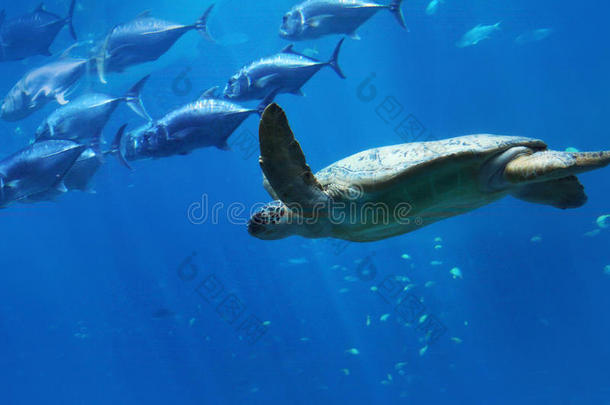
[{"x": 392, "y": 190}]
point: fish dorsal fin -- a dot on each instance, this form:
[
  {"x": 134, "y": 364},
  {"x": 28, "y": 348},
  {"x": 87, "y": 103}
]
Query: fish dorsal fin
[
  {"x": 144, "y": 14},
  {"x": 288, "y": 49},
  {"x": 40, "y": 7},
  {"x": 209, "y": 93}
]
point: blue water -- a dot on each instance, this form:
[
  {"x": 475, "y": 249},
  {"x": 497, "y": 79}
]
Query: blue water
[{"x": 103, "y": 296}]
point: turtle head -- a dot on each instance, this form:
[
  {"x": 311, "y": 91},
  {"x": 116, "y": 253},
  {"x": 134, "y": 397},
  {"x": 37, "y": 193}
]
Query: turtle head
[{"x": 271, "y": 222}]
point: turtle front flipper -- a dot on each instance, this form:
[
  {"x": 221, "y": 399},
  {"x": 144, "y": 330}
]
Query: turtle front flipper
[
  {"x": 283, "y": 163},
  {"x": 549, "y": 165}
]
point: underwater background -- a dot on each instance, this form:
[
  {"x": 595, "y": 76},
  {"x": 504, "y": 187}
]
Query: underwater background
[{"x": 103, "y": 296}]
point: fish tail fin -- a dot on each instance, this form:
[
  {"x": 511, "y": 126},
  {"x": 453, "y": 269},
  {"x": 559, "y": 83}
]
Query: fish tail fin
[
  {"x": 266, "y": 101},
  {"x": 134, "y": 99},
  {"x": 334, "y": 60},
  {"x": 396, "y": 10},
  {"x": 69, "y": 19},
  {"x": 115, "y": 148},
  {"x": 202, "y": 24}
]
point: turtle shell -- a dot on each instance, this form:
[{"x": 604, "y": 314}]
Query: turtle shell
[{"x": 379, "y": 169}]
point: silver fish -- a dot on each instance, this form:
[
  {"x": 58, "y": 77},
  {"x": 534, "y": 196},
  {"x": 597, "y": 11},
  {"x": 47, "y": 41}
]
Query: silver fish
[
  {"x": 206, "y": 122},
  {"x": 144, "y": 39},
  {"x": 317, "y": 18},
  {"x": 533, "y": 36},
  {"x": 31, "y": 34},
  {"x": 477, "y": 34},
  {"x": 41, "y": 85},
  {"x": 285, "y": 72},
  {"x": 84, "y": 118},
  {"x": 37, "y": 170}
]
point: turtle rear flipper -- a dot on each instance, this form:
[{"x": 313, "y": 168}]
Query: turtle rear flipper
[
  {"x": 561, "y": 193},
  {"x": 283, "y": 163},
  {"x": 549, "y": 165}
]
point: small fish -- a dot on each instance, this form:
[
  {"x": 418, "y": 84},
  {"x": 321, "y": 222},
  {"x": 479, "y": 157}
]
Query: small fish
[
  {"x": 31, "y": 173},
  {"x": 456, "y": 340},
  {"x": 384, "y": 317},
  {"x": 32, "y": 33},
  {"x": 85, "y": 117},
  {"x": 297, "y": 261},
  {"x": 286, "y": 72},
  {"x": 144, "y": 39},
  {"x": 477, "y": 34},
  {"x": 206, "y": 122},
  {"x": 438, "y": 247},
  {"x": 52, "y": 81},
  {"x": 438, "y": 239},
  {"x": 399, "y": 365},
  {"x": 313, "y": 19},
  {"x": 456, "y": 272},
  {"x": 603, "y": 221},
  {"x": 607, "y": 270},
  {"x": 343, "y": 290},
  {"x": 533, "y": 36},
  {"x": 353, "y": 351},
  {"x": 266, "y": 323},
  {"x": 572, "y": 150},
  {"x": 536, "y": 239},
  {"x": 429, "y": 284},
  {"x": 423, "y": 350},
  {"x": 192, "y": 322},
  {"x": 423, "y": 318},
  {"x": 368, "y": 320},
  {"x": 311, "y": 52},
  {"x": 409, "y": 287},
  {"x": 433, "y": 6},
  {"x": 345, "y": 371},
  {"x": 406, "y": 256},
  {"x": 593, "y": 233},
  {"x": 436, "y": 263}
]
